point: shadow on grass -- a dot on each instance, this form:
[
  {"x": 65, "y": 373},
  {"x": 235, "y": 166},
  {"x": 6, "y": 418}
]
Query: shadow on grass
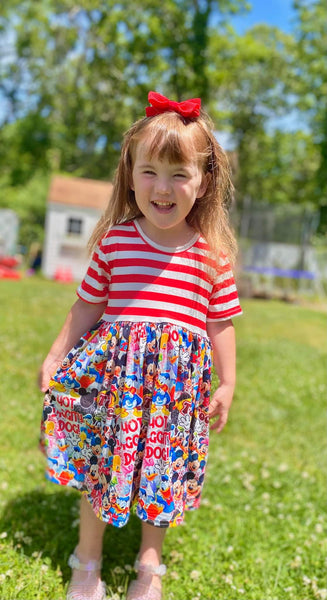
[{"x": 46, "y": 522}]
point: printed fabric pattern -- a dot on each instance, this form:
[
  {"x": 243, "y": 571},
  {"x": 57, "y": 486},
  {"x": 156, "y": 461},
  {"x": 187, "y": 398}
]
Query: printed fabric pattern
[{"x": 126, "y": 421}]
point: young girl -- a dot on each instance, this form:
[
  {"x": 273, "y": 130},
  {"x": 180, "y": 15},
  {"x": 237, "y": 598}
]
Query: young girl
[{"x": 127, "y": 404}]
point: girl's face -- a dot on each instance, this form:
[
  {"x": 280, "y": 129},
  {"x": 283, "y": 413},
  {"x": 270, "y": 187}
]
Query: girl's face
[{"x": 165, "y": 194}]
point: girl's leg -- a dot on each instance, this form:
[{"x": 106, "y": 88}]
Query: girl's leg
[
  {"x": 151, "y": 544},
  {"x": 87, "y": 584},
  {"x": 150, "y": 552},
  {"x": 91, "y": 532}
]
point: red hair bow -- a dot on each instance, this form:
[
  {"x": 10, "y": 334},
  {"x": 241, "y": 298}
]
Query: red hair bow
[{"x": 160, "y": 104}]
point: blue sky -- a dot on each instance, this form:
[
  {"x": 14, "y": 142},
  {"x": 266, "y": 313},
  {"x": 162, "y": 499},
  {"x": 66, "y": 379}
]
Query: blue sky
[{"x": 277, "y": 13}]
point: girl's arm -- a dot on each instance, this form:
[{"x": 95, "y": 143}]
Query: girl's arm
[
  {"x": 222, "y": 337},
  {"x": 81, "y": 317}
]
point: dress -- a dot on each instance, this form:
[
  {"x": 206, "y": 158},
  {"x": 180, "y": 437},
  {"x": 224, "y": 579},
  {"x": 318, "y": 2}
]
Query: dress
[{"x": 125, "y": 419}]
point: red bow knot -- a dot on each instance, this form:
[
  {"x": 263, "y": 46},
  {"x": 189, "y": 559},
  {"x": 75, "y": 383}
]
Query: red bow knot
[{"x": 160, "y": 104}]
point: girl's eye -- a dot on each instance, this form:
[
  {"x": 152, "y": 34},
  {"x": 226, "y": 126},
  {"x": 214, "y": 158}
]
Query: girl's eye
[
  {"x": 148, "y": 172},
  {"x": 180, "y": 175}
]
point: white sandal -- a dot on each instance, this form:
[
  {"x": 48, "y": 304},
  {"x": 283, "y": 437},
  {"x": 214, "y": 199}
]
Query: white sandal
[
  {"x": 85, "y": 590},
  {"x": 145, "y": 590}
]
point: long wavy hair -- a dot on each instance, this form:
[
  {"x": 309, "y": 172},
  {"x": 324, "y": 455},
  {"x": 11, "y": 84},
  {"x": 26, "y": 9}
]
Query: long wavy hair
[{"x": 174, "y": 138}]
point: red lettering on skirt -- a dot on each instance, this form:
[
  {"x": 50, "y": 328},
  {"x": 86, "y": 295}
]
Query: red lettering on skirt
[
  {"x": 65, "y": 401},
  {"x": 69, "y": 427}
]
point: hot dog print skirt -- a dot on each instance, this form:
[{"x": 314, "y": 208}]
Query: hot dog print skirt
[{"x": 125, "y": 420}]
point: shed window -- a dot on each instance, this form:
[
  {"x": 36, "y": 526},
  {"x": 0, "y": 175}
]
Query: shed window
[{"x": 74, "y": 225}]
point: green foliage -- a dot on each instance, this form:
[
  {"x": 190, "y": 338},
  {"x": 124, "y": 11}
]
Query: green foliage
[
  {"x": 260, "y": 530},
  {"x": 75, "y": 77},
  {"x": 89, "y": 68},
  {"x": 25, "y": 147},
  {"x": 278, "y": 167},
  {"x": 311, "y": 78}
]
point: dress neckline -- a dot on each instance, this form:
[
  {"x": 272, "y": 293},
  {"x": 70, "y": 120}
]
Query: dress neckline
[{"x": 165, "y": 249}]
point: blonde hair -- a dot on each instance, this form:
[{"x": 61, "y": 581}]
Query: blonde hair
[{"x": 174, "y": 138}]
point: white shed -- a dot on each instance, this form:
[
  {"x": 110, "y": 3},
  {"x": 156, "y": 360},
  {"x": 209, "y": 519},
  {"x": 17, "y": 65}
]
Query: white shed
[
  {"x": 9, "y": 226},
  {"x": 73, "y": 209}
]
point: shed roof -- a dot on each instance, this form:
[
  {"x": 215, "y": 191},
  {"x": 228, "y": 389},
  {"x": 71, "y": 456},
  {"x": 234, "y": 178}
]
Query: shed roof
[{"x": 77, "y": 191}]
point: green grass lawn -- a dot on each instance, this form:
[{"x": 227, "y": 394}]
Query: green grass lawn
[{"x": 259, "y": 534}]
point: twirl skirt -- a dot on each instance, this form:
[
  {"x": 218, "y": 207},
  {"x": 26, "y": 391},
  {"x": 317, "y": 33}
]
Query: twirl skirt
[{"x": 126, "y": 421}]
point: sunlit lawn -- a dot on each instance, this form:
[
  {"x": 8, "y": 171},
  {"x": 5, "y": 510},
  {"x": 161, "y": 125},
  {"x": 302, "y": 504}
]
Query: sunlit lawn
[{"x": 259, "y": 534}]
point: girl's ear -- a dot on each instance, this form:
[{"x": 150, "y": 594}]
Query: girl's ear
[{"x": 204, "y": 185}]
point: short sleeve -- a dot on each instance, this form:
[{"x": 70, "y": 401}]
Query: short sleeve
[
  {"x": 224, "y": 302},
  {"x": 94, "y": 288}
]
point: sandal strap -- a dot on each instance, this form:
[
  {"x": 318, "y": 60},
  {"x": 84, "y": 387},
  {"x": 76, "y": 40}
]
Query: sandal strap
[
  {"x": 159, "y": 570},
  {"x": 92, "y": 565}
]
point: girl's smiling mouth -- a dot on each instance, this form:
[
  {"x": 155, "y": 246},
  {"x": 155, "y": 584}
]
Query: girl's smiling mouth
[{"x": 162, "y": 206}]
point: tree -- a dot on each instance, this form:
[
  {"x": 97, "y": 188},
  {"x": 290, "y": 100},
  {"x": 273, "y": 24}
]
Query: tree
[
  {"x": 75, "y": 77},
  {"x": 255, "y": 89},
  {"x": 86, "y": 69},
  {"x": 280, "y": 167},
  {"x": 311, "y": 80}
]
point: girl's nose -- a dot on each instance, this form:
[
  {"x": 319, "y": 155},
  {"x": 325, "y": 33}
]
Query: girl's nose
[{"x": 163, "y": 186}]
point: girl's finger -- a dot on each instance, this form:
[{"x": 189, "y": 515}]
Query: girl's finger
[{"x": 219, "y": 425}]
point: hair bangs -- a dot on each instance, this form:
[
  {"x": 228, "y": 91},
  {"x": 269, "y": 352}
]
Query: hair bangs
[
  {"x": 167, "y": 137},
  {"x": 169, "y": 145}
]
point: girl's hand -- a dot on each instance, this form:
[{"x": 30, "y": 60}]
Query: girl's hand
[
  {"x": 219, "y": 406},
  {"x": 48, "y": 369}
]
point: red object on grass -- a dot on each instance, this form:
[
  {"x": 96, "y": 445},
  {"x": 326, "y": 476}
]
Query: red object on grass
[
  {"x": 63, "y": 274},
  {"x": 7, "y": 273},
  {"x": 9, "y": 261}
]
